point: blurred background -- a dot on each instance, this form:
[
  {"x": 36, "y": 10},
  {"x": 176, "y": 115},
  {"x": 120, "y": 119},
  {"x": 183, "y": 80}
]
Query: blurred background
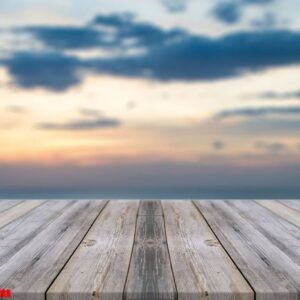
[{"x": 150, "y": 99}]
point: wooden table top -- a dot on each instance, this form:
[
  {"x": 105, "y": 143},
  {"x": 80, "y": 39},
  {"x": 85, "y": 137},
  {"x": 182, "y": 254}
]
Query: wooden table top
[{"x": 171, "y": 249}]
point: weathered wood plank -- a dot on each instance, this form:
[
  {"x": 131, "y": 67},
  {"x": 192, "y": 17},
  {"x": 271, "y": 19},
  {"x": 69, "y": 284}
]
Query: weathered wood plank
[
  {"x": 30, "y": 271},
  {"x": 6, "y": 204},
  {"x": 201, "y": 267},
  {"x": 282, "y": 211},
  {"x": 21, "y": 231},
  {"x": 17, "y": 211},
  {"x": 150, "y": 274},
  {"x": 152, "y": 208},
  {"x": 271, "y": 272},
  {"x": 281, "y": 233},
  {"x": 99, "y": 267},
  {"x": 293, "y": 204}
]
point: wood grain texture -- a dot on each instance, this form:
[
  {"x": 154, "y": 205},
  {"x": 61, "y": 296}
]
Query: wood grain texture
[
  {"x": 6, "y": 204},
  {"x": 270, "y": 271},
  {"x": 201, "y": 267},
  {"x": 283, "y": 211},
  {"x": 21, "y": 231},
  {"x": 17, "y": 211},
  {"x": 216, "y": 250},
  {"x": 30, "y": 271},
  {"x": 152, "y": 208},
  {"x": 279, "y": 232},
  {"x": 150, "y": 274},
  {"x": 293, "y": 204},
  {"x": 98, "y": 269}
]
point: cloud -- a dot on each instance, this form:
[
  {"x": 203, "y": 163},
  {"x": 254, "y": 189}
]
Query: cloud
[
  {"x": 91, "y": 120},
  {"x": 69, "y": 37},
  {"x": 271, "y": 95},
  {"x": 155, "y": 53},
  {"x": 256, "y": 2},
  {"x": 52, "y": 71},
  {"x": 110, "y": 32},
  {"x": 202, "y": 58},
  {"x": 131, "y": 104},
  {"x": 259, "y": 112},
  {"x": 231, "y": 11},
  {"x": 89, "y": 112},
  {"x": 16, "y": 109},
  {"x": 175, "y": 6},
  {"x": 271, "y": 147},
  {"x": 114, "y": 19},
  {"x": 218, "y": 145},
  {"x": 132, "y": 34},
  {"x": 227, "y": 12},
  {"x": 268, "y": 21}
]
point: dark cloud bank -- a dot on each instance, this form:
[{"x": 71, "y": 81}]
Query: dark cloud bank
[
  {"x": 156, "y": 54},
  {"x": 162, "y": 176}
]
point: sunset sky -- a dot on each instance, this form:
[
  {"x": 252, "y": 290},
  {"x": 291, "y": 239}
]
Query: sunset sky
[{"x": 149, "y": 94}]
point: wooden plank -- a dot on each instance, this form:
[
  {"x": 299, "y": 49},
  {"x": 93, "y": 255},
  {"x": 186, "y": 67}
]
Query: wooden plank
[
  {"x": 201, "y": 267},
  {"x": 6, "y": 204},
  {"x": 281, "y": 233},
  {"x": 293, "y": 204},
  {"x": 271, "y": 272},
  {"x": 282, "y": 211},
  {"x": 99, "y": 267},
  {"x": 20, "y": 232},
  {"x": 150, "y": 273},
  {"x": 30, "y": 271},
  {"x": 18, "y": 211},
  {"x": 152, "y": 208}
]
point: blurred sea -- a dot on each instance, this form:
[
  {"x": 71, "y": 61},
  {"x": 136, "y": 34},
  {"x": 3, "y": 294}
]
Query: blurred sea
[{"x": 202, "y": 193}]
